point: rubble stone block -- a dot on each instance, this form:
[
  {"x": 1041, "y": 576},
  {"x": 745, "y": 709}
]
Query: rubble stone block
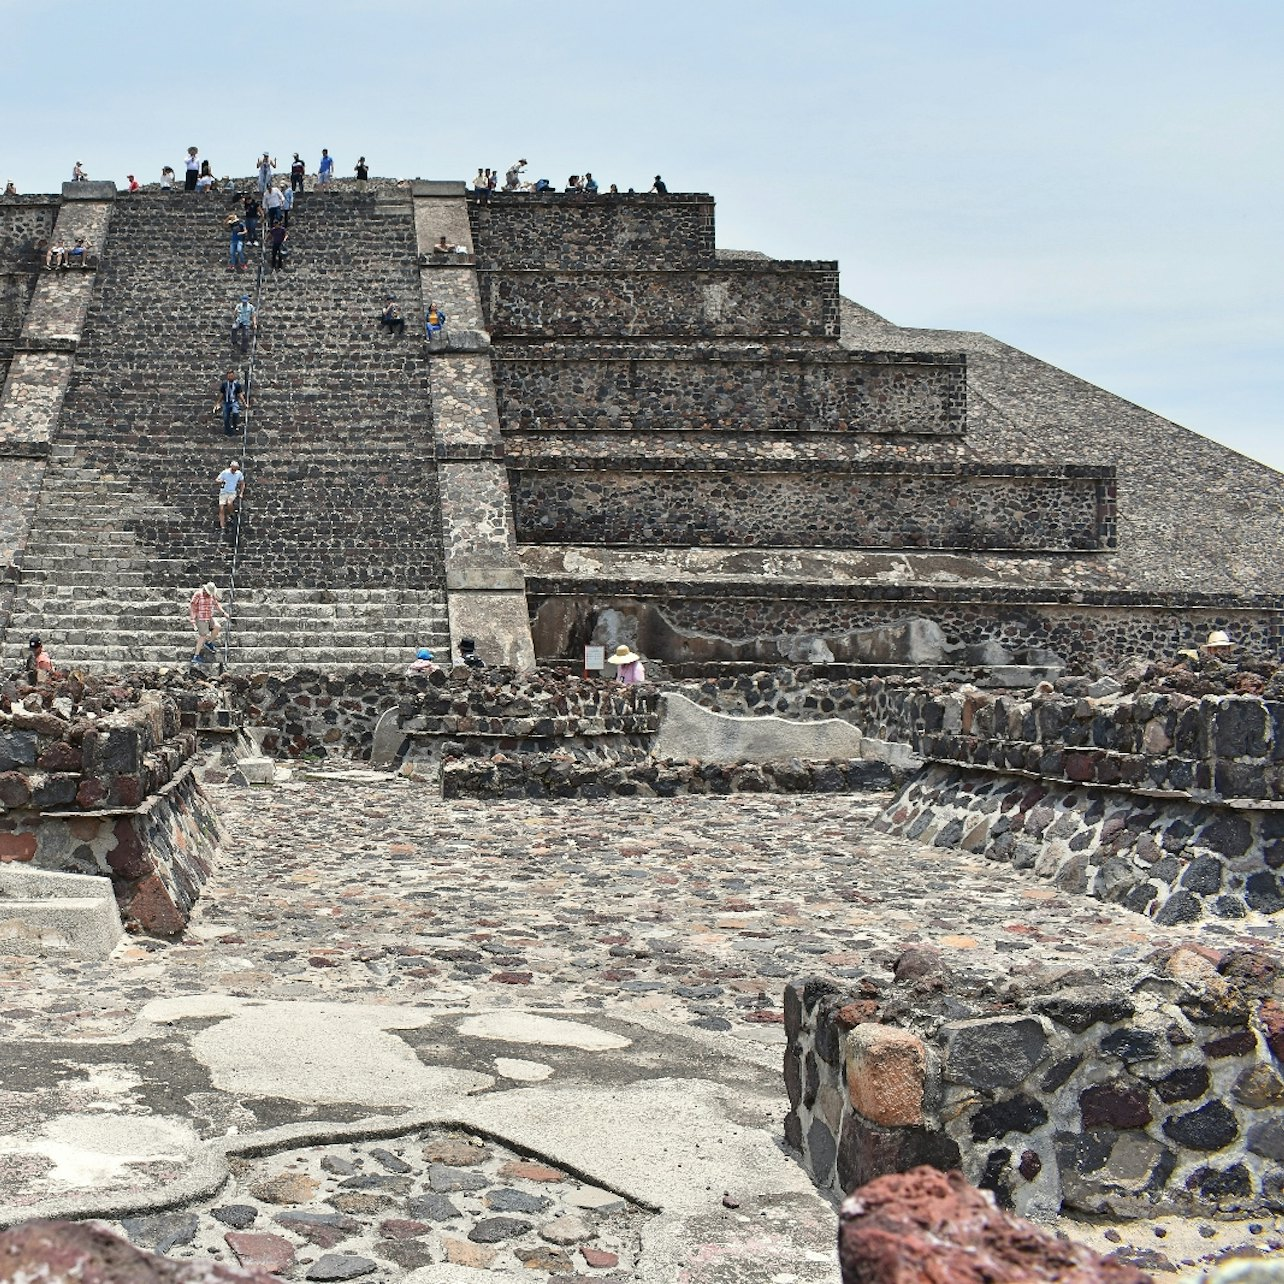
[
  {"x": 994, "y": 1052},
  {"x": 929, "y": 1225},
  {"x": 886, "y": 1071}
]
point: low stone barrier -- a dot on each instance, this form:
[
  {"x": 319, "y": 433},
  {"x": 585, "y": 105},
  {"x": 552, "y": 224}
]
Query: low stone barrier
[
  {"x": 563, "y": 775},
  {"x": 99, "y": 780},
  {"x": 1150, "y": 1086},
  {"x": 1170, "y": 858},
  {"x": 311, "y": 711}
]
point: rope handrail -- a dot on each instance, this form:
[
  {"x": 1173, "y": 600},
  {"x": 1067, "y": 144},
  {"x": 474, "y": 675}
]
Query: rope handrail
[{"x": 245, "y": 443}]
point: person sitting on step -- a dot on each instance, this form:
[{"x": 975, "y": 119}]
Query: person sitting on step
[
  {"x": 40, "y": 665},
  {"x": 444, "y": 247},
  {"x": 391, "y": 315},
  {"x": 78, "y": 255},
  {"x": 56, "y": 255},
  {"x": 434, "y": 320},
  {"x": 423, "y": 662}
]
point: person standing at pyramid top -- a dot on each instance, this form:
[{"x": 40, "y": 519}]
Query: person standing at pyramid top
[
  {"x": 325, "y": 171},
  {"x": 267, "y": 167}
]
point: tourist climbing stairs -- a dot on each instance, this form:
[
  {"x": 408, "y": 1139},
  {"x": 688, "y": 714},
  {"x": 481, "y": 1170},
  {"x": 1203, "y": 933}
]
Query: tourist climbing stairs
[{"x": 335, "y": 559}]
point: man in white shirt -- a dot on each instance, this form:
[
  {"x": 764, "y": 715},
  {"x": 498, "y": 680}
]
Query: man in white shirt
[
  {"x": 274, "y": 203},
  {"x": 231, "y": 483},
  {"x": 243, "y": 321}
]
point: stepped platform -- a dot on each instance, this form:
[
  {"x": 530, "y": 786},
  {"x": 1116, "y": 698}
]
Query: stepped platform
[{"x": 624, "y": 434}]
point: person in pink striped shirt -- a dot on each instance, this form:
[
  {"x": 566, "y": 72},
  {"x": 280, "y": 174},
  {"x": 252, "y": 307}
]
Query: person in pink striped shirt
[{"x": 201, "y": 610}]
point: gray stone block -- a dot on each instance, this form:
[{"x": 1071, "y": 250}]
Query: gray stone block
[
  {"x": 57, "y": 914},
  {"x": 996, "y": 1052},
  {"x": 689, "y": 731}
]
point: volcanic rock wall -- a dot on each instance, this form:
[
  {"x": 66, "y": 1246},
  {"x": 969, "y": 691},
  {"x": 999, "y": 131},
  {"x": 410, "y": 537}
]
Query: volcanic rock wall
[{"x": 102, "y": 783}]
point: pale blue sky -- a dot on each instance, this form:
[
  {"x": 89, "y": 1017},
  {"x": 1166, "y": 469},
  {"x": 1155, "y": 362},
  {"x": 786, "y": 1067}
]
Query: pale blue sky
[{"x": 1097, "y": 183}]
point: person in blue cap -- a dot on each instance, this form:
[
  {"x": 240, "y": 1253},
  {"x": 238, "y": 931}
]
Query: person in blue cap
[{"x": 422, "y": 662}]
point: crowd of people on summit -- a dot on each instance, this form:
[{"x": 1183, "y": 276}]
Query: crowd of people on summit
[
  {"x": 198, "y": 176},
  {"x": 486, "y": 183}
]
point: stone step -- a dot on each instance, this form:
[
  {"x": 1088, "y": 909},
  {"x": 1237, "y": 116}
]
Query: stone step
[
  {"x": 48, "y": 913},
  {"x": 357, "y": 657}
]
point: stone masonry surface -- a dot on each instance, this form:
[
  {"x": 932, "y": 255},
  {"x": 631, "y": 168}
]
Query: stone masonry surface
[
  {"x": 748, "y": 300},
  {"x": 129, "y": 503},
  {"x": 140, "y": 403},
  {"x": 1193, "y": 515},
  {"x": 637, "y": 231},
  {"x": 394, "y": 1205},
  {"x": 661, "y": 502},
  {"x": 707, "y": 388},
  {"x": 1173, "y": 859},
  {"x": 1143, "y": 1085},
  {"x": 684, "y": 620},
  {"x": 368, "y": 893},
  {"x": 25, "y": 225}
]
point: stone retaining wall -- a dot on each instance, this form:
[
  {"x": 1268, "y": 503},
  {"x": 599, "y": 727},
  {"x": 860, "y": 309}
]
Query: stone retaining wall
[
  {"x": 102, "y": 783},
  {"x": 547, "y": 770},
  {"x": 815, "y": 505},
  {"x": 1215, "y": 747},
  {"x": 1175, "y": 860},
  {"x": 526, "y": 230},
  {"x": 749, "y": 300},
  {"x": 685, "y": 620},
  {"x": 25, "y": 223},
  {"x": 704, "y": 388},
  {"x": 307, "y": 711},
  {"x": 1150, "y": 1087}
]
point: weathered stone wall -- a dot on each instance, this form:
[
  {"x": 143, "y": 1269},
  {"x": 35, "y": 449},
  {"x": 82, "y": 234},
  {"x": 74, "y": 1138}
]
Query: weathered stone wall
[
  {"x": 515, "y": 771},
  {"x": 521, "y": 230},
  {"x": 812, "y": 505},
  {"x": 25, "y": 223},
  {"x": 687, "y": 620},
  {"x": 1148, "y": 1087},
  {"x": 1176, "y": 860},
  {"x": 704, "y": 388},
  {"x": 308, "y": 711},
  {"x": 1229, "y": 747},
  {"x": 22, "y": 482},
  {"x": 748, "y": 300},
  {"x": 103, "y": 784}
]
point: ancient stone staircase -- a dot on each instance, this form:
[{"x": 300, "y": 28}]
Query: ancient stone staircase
[{"x": 337, "y": 560}]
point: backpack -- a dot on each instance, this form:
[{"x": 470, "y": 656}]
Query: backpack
[{"x": 542, "y": 185}]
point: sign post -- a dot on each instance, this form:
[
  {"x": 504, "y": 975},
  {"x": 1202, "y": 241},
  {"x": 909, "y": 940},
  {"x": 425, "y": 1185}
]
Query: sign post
[{"x": 594, "y": 661}]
